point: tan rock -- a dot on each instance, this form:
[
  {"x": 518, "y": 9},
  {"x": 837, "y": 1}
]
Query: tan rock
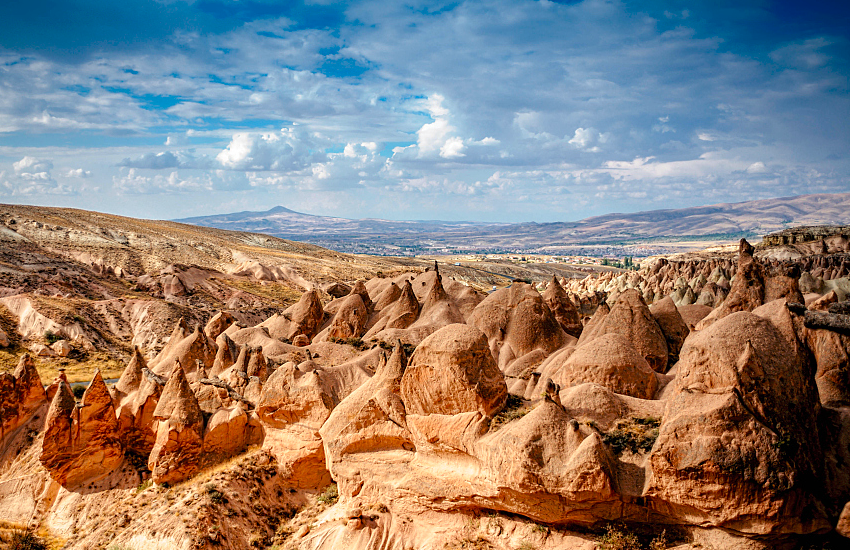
[
  {"x": 227, "y": 432},
  {"x": 610, "y": 361},
  {"x": 630, "y": 318},
  {"x": 452, "y": 372},
  {"x": 62, "y": 348},
  {"x": 350, "y": 319},
  {"x": 218, "y": 324},
  {"x": 372, "y": 418},
  {"x": 517, "y": 321},
  {"x": 562, "y": 308},
  {"x": 176, "y": 455},
  {"x": 132, "y": 376},
  {"x": 741, "y": 417},
  {"x": 190, "y": 351},
  {"x": 672, "y": 325},
  {"x": 301, "y": 341},
  {"x": 693, "y": 314}
]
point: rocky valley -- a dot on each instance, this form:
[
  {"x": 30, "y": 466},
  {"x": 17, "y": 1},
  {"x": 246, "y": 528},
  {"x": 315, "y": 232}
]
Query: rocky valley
[{"x": 166, "y": 386}]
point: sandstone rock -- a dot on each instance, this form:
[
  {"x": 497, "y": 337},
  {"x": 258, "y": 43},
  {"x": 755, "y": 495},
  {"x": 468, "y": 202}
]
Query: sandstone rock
[
  {"x": 227, "y": 433},
  {"x": 40, "y": 350},
  {"x": 672, "y": 325},
  {"x": 61, "y": 348},
  {"x": 350, "y": 319},
  {"x": 176, "y": 455},
  {"x": 562, "y": 308},
  {"x": 225, "y": 356},
  {"x": 742, "y": 416},
  {"x": 136, "y": 423},
  {"x": 610, "y": 361},
  {"x": 131, "y": 378},
  {"x": 303, "y": 317},
  {"x": 81, "y": 442},
  {"x": 693, "y": 314},
  {"x": 452, "y": 372},
  {"x": 189, "y": 351},
  {"x": 4, "y": 339},
  {"x": 630, "y": 318},
  {"x": 823, "y": 303},
  {"x": 517, "y": 321},
  {"x": 371, "y": 419},
  {"x": 747, "y": 292},
  {"x": 217, "y": 324}
]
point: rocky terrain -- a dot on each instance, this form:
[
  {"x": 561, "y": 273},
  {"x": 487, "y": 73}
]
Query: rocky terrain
[
  {"x": 616, "y": 234},
  {"x": 700, "y": 402}
]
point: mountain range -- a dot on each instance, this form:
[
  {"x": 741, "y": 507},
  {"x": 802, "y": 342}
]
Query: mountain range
[{"x": 652, "y": 231}]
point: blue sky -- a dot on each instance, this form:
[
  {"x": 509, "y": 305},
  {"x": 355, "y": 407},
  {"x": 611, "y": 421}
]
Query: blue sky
[{"x": 511, "y": 110}]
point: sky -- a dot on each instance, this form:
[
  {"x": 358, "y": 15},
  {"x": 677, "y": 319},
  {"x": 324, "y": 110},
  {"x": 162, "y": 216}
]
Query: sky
[{"x": 502, "y": 110}]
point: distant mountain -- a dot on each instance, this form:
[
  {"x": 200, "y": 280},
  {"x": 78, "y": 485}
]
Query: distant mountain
[{"x": 599, "y": 233}]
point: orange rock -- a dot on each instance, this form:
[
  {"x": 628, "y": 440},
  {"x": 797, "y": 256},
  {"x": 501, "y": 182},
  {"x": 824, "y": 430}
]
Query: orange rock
[
  {"x": 610, "y": 361},
  {"x": 81, "y": 442},
  {"x": 452, "y": 372},
  {"x": 176, "y": 455}
]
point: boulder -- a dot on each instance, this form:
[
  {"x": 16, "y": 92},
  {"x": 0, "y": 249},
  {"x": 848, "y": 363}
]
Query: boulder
[
  {"x": 350, "y": 319},
  {"x": 610, "y": 361},
  {"x": 742, "y": 417},
  {"x": 218, "y": 324},
  {"x": 562, "y": 308},
  {"x": 452, "y": 372},
  {"x": 517, "y": 321}
]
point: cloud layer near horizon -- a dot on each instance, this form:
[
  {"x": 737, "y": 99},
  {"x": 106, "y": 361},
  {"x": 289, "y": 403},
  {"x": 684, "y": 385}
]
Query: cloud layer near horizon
[{"x": 507, "y": 110}]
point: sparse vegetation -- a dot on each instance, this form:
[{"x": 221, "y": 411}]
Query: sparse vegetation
[
  {"x": 212, "y": 492},
  {"x": 633, "y": 434},
  {"x": 26, "y": 539},
  {"x": 144, "y": 485},
  {"x": 514, "y": 409},
  {"x": 330, "y": 495},
  {"x": 78, "y": 391},
  {"x": 356, "y": 343},
  {"x": 51, "y": 337},
  {"x": 525, "y": 545},
  {"x": 617, "y": 537}
]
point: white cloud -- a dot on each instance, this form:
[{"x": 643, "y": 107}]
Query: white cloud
[
  {"x": 134, "y": 183},
  {"x": 32, "y": 176},
  {"x": 285, "y": 151},
  {"x": 588, "y": 139},
  {"x": 452, "y": 148},
  {"x": 756, "y": 168},
  {"x": 78, "y": 173}
]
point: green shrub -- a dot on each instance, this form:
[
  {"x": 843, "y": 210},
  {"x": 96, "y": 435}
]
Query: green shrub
[
  {"x": 78, "y": 391},
  {"x": 330, "y": 495},
  {"x": 616, "y": 538},
  {"x": 635, "y": 434},
  {"x": 514, "y": 409},
  {"x": 51, "y": 337}
]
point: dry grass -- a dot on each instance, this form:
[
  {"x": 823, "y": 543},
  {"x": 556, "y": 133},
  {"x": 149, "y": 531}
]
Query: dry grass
[
  {"x": 77, "y": 370},
  {"x": 279, "y": 292}
]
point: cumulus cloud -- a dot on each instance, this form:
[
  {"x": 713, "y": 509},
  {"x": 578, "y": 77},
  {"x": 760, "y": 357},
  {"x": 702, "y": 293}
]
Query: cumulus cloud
[
  {"x": 78, "y": 173},
  {"x": 32, "y": 176},
  {"x": 588, "y": 139},
  {"x": 285, "y": 151}
]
